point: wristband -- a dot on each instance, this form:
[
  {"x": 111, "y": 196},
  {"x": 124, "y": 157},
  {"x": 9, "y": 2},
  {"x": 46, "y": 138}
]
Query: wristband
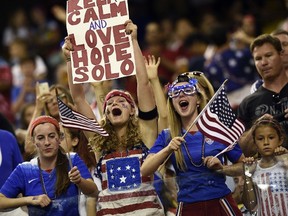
[{"x": 148, "y": 115}]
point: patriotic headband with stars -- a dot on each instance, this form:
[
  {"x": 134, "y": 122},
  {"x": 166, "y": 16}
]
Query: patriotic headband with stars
[
  {"x": 42, "y": 120},
  {"x": 119, "y": 93}
]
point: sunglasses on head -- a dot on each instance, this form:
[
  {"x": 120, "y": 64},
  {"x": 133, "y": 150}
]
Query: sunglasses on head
[{"x": 195, "y": 73}]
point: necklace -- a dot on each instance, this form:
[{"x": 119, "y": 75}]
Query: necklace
[
  {"x": 41, "y": 178},
  {"x": 202, "y": 153}
]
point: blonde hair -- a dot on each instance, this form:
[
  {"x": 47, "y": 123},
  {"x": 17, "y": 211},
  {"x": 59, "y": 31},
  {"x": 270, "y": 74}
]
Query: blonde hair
[{"x": 174, "y": 119}]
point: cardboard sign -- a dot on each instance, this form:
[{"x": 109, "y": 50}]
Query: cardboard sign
[{"x": 102, "y": 49}]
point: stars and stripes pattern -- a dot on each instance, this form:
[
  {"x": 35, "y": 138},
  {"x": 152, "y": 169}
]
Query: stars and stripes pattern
[
  {"x": 72, "y": 119},
  {"x": 124, "y": 190},
  {"x": 219, "y": 122},
  {"x": 272, "y": 189}
]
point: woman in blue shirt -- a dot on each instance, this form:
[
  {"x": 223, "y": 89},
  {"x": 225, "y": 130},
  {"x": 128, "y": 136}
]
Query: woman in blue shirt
[
  {"x": 200, "y": 176},
  {"x": 49, "y": 183}
]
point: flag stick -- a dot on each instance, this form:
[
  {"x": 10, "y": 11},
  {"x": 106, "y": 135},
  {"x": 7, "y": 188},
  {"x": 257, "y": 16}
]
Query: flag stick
[
  {"x": 68, "y": 152},
  {"x": 196, "y": 119}
]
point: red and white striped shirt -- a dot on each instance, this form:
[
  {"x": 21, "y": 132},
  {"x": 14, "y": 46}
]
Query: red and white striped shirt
[
  {"x": 125, "y": 191},
  {"x": 272, "y": 190}
]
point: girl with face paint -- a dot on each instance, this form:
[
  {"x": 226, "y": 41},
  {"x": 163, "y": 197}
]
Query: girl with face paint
[
  {"x": 120, "y": 155},
  {"x": 49, "y": 185},
  {"x": 200, "y": 176}
]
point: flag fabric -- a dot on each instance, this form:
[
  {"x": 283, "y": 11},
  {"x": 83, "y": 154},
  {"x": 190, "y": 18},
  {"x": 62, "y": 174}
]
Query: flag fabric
[
  {"x": 220, "y": 123},
  {"x": 72, "y": 119},
  {"x": 124, "y": 190}
]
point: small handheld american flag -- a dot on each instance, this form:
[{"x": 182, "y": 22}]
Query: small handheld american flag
[
  {"x": 219, "y": 122},
  {"x": 72, "y": 119}
]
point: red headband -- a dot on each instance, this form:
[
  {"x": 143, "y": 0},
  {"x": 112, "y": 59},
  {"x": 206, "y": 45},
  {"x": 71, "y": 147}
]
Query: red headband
[
  {"x": 119, "y": 93},
  {"x": 42, "y": 120}
]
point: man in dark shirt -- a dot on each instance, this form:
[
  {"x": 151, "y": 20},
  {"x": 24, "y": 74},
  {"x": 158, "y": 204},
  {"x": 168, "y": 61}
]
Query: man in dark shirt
[{"x": 272, "y": 96}]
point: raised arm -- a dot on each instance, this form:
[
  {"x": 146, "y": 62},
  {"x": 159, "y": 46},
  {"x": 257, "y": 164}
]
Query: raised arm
[
  {"x": 152, "y": 70},
  {"x": 146, "y": 101},
  {"x": 77, "y": 90},
  {"x": 247, "y": 144}
]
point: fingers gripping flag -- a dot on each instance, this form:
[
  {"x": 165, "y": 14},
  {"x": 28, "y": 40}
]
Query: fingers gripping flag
[
  {"x": 72, "y": 119},
  {"x": 219, "y": 122}
]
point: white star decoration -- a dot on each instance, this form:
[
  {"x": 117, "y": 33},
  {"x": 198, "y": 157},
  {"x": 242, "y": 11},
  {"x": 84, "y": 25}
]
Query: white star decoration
[
  {"x": 123, "y": 179},
  {"x": 123, "y": 174}
]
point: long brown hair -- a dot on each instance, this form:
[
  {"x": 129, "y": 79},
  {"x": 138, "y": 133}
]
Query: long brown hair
[
  {"x": 62, "y": 165},
  {"x": 83, "y": 149}
]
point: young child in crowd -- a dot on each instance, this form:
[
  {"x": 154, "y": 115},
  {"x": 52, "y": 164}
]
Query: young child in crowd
[{"x": 269, "y": 174}]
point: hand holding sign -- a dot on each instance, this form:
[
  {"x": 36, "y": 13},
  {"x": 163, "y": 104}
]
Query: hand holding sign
[
  {"x": 66, "y": 48},
  {"x": 131, "y": 29}
]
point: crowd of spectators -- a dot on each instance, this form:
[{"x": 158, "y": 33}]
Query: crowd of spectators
[{"x": 188, "y": 35}]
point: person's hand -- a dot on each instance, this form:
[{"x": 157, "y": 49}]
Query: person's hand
[
  {"x": 74, "y": 175},
  {"x": 249, "y": 160},
  {"x": 266, "y": 115},
  {"x": 249, "y": 166},
  {"x": 41, "y": 99},
  {"x": 42, "y": 200},
  {"x": 66, "y": 48},
  {"x": 213, "y": 163},
  {"x": 175, "y": 143},
  {"x": 131, "y": 29},
  {"x": 280, "y": 150},
  {"x": 152, "y": 66}
]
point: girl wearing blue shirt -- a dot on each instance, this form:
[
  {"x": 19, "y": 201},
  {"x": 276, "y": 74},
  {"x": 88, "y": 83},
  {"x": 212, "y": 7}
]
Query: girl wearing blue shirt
[
  {"x": 200, "y": 176},
  {"x": 48, "y": 183}
]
